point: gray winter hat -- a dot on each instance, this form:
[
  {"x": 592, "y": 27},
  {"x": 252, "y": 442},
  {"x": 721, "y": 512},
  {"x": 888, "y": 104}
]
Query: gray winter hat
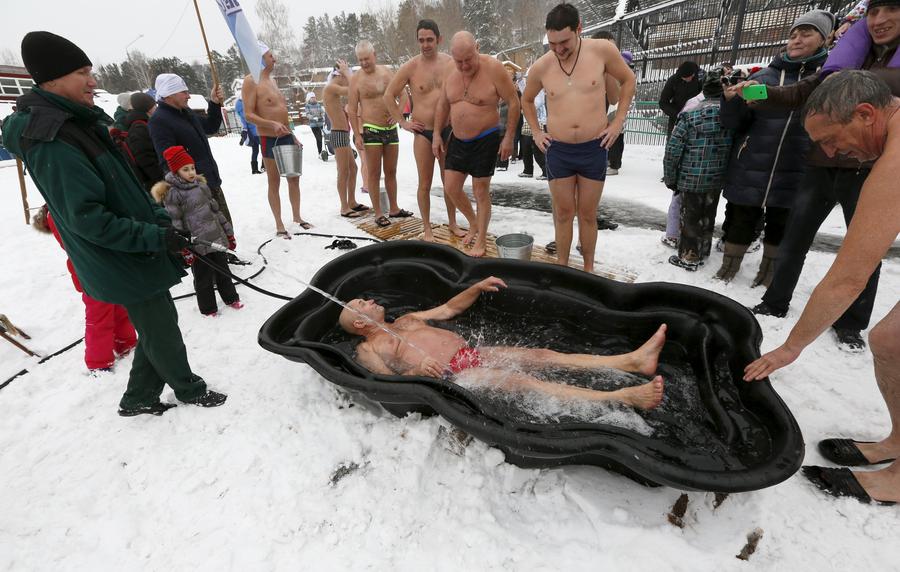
[{"x": 821, "y": 20}]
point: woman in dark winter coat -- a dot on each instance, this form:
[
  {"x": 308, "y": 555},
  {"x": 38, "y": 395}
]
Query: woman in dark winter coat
[
  {"x": 143, "y": 155},
  {"x": 769, "y": 155}
]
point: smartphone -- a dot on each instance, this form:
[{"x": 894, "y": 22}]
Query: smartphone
[{"x": 755, "y": 92}]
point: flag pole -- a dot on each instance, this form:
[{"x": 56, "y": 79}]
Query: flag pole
[
  {"x": 212, "y": 66},
  {"x": 24, "y": 190}
]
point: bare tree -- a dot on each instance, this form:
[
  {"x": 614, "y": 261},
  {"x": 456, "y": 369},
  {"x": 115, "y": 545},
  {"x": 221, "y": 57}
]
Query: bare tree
[{"x": 276, "y": 32}]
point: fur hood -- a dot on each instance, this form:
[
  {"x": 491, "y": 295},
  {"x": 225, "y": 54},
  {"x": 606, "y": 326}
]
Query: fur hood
[{"x": 161, "y": 189}]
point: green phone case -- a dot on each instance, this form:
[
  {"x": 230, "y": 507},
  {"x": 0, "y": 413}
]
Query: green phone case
[{"x": 755, "y": 92}]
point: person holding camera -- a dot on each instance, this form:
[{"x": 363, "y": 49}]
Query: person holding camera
[{"x": 769, "y": 155}]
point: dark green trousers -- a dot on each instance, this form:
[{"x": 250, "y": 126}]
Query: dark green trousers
[{"x": 160, "y": 356}]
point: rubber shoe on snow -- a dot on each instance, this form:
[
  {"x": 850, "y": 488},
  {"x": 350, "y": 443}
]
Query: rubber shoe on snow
[
  {"x": 763, "y": 309},
  {"x": 850, "y": 341},
  {"x": 689, "y": 265},
  {"x": 209, "y": 399},
  {"x": 155, "y": 409},
  {"x": 237, "y": 305}
]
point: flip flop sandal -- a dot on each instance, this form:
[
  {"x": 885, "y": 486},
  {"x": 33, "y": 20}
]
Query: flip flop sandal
[
  {"x": 845, "y": 452},
  {"x": 304, "y": 225},
  {"x": 402, "y": 213},
  {"x": 352, "y": 214},
  {"x": 551, "y": 247},
  {"x": 383, "y": 221},
  {"x": 360, "y": 208},
  {"x": 283, "y": 234},
  {"x": 839, "y": 483}
]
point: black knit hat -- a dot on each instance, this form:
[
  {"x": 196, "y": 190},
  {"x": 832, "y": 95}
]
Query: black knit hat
[
  {"x": 877, "y": 3},
  {"x": 48, "y": 56},
  {"x": 140, "y": 101}
]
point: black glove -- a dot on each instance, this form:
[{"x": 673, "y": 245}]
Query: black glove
[{"x": 177, "y": 240}]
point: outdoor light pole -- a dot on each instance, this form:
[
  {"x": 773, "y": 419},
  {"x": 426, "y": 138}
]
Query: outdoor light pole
[{"x": 127, "y": 55}]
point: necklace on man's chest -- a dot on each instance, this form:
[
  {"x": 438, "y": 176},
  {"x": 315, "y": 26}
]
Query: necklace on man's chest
[{"x": 569, "y": 73}]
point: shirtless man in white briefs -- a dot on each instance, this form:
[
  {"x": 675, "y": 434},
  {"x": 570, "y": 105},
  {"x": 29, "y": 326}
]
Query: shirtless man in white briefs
[
  {"x": 574, "y": 75},
  {"x": 333, "y": 96},
  {"x": 375, "y": 131},
  {"x": 265, "y": 107},
  {"x": 471, "y": 95},
  {"x": 424, "y": 74},
  {"x": 429, "y": 351}
]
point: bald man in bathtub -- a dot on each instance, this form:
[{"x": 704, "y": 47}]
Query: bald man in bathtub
[{"x": 435, "y": 352}]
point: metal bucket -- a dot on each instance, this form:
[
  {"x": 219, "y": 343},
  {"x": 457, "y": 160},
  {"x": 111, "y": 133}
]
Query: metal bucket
[
  {"x": 517, "y": 246},
  {"x": 289, "y": 160},
  {"x": 384, "y": 201}
]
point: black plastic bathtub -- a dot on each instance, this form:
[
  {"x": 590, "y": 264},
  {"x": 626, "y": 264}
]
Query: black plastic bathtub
[{"x": 711, "y": 338}]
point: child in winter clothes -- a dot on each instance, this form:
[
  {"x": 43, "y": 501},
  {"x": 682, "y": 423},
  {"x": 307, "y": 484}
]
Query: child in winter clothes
[
  {"x": 193, "y": 209},
  {"x": 694, "y": 165},
  {"x": 108, "y": 332}
]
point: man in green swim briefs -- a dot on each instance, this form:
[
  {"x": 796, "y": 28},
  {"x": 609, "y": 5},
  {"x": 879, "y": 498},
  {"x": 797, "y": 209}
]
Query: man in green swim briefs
[{"x": 375, "y": 131}]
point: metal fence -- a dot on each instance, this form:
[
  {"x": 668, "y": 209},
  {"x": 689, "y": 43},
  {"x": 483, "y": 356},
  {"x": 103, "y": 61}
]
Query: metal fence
[{"x": 664, "y": 33}]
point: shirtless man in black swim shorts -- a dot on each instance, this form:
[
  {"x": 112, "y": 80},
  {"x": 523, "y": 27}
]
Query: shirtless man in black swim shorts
[
  {"x": 436, "y": 352},
  {"x": 424, "y": 74},
  {"x": 574, "y": 75},
  {"x": 471, "y": 94}
]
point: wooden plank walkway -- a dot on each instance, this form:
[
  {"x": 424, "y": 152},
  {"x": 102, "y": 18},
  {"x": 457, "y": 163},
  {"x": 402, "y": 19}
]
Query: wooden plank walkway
[{"x": 411, "y": 228}]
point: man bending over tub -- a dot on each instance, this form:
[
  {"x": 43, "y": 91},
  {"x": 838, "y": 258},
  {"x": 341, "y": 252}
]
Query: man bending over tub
[{"x": 434, "y": 352}]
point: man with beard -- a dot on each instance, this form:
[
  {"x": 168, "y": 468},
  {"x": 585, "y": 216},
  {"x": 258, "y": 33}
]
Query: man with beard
[{"x": 424, "y": 74}]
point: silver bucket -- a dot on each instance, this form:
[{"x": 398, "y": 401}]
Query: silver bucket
[
  {"x": 289, "y": 160},
  {"x": 517, "y": 246}
]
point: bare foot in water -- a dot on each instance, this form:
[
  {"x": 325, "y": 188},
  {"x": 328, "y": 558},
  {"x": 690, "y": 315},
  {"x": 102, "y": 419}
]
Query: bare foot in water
[
  {"x": 646, "y": 396},
  {"x": 457, "y": 231},
  {"x": 645, "y": 359}
]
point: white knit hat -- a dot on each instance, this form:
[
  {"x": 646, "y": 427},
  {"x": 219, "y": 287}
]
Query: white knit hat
[{"x": 169, "y": 84}]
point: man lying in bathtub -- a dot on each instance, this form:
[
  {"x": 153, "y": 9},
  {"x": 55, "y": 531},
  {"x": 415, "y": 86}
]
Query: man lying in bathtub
[{"x": 446, "y": 353}]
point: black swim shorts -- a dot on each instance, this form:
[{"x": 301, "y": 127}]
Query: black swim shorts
[
  {"x": 268, "y": 143},
  {"x": 429, "y": 134},
  {"x": 378, "y": 135},
  {"x": 477, "y": 156},
  {"x": 339, "y": 138}
]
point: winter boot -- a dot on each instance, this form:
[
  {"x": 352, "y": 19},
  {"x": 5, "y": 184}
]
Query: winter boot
[
  {"x": 764, "y": 309},
  {"x": 766, "y": 266},
  {"x": 254, "y": 168},
  {"x": 209, "y": 399},
  {"x": 731, "y": 261}
]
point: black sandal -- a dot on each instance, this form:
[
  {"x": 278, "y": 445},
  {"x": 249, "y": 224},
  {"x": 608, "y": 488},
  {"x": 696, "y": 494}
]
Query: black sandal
[
  {"x": 360, "y": 208},
  {"x": 402, "y": 213},
  {"x": 839, "y": 483},
  {"x": 845, "y": 452},
  {"x": 383, "y": 221}
]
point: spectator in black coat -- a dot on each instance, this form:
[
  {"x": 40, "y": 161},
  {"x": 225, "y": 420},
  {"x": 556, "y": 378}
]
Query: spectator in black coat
[
  {"x": 683, "y": 85},
  {"x": 768, "y": 160},
  {"x": 140, "y": 145},
  {"x": 174, "y": 124}
]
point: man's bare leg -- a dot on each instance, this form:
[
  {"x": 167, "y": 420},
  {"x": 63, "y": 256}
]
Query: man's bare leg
[
  {"x": 884, "y": 339},
  {"x": 645, "y": 396},
  {"x": 373, "y": 177},
  {"x": 563, "y": 193},
  {"x": 589, "y": 192},
  {"x": 342, "y": 160},
  {"x": 274, "y": 180},
  {"x": 350, "y": 191},
  {"x": 390, "y": 154},
  {"x": 453, "y": 188},
  {"x": 451, "y": 207},
  {"x": 425, "y": 166},
  {"x": 643, "y": 360},
  {"x": 294, "y": 197},
  {"x": 481, "y": 188}
]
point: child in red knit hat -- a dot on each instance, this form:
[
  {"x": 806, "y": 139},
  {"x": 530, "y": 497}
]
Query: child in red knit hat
[
  {"x": 108, "y": 332},
  {"x": 193, "y": 209}
]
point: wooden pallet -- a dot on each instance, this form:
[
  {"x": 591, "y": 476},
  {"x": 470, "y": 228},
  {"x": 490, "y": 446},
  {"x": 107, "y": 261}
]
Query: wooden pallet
[{"x": 411, "y": 228}]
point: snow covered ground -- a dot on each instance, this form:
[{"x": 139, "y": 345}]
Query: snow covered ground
[{"x": 254, "y": 485}]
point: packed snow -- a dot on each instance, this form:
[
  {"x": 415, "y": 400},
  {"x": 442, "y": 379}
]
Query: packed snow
[{"x": 290, "y": 475}]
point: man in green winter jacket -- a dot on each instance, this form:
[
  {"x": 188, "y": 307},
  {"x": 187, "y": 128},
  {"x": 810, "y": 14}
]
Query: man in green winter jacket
[{"x": 117, "y": 239}]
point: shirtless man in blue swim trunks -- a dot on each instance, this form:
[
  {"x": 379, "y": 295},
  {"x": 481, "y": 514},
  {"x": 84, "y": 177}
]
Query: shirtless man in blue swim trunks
[
  {"x": 441, "y": 353},
  {"x": 576, "y": 75},
  {"x": 471, "y": 95}
]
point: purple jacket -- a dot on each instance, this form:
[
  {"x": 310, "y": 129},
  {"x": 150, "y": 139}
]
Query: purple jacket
[{"x": 851, "y": 51}]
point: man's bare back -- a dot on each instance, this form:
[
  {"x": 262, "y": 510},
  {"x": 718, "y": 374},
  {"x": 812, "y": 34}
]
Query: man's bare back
[
  {"x": 474, "y": 103},
  {"x": 369, "y": 88},
  {"x": 266, "y": 101},
  {"x": 334, "y": 96}
]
